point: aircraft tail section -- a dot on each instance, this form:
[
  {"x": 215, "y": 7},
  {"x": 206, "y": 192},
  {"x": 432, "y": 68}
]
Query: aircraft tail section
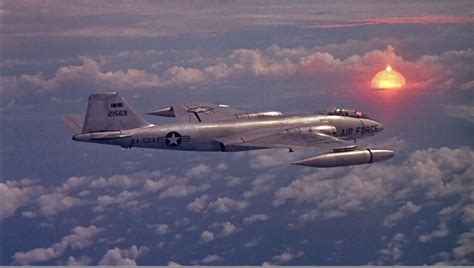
[{"x": 109, "y": 112}]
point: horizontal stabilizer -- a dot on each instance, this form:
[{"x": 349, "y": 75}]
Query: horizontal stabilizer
[
  {"x": 74, "y": 121},
  {"x": 165, "y": 112},
  {"x": 197, "y": 112}
]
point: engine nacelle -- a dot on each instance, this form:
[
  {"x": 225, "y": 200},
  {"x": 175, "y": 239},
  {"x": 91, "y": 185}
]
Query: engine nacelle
[
  {"x": 325, "y": 129},
  {"x": 339, "y": 159}
]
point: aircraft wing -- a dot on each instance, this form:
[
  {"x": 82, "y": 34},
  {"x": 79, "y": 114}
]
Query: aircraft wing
[
  {"x": 286, "y": 138},
  {"x": 198, "y": 112}
]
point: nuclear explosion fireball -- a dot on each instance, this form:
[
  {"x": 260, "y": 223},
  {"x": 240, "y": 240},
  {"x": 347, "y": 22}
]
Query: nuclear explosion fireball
[{"x": 388, "y": 79}]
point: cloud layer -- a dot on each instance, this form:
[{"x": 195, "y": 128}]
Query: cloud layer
[{"x": 427, "y": 73}]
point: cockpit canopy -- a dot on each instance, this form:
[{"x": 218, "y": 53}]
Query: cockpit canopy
[{"x": 346, "y": 112}]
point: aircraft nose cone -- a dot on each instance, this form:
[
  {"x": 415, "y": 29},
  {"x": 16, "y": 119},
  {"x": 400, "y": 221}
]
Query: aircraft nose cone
[{"x": 380, "y": 127}]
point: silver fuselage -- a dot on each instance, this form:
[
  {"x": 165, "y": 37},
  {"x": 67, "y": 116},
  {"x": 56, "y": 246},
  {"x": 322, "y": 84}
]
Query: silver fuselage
[{"x": 202, "y": 136}]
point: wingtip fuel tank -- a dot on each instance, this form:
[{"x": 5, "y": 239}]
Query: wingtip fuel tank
[{"x": 354, "y": 157}]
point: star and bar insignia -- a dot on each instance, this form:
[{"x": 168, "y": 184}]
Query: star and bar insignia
[{"x": 174, "y": 139}]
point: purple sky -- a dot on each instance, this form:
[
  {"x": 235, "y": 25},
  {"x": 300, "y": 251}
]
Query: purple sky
[{"x": 69, "y": 203}]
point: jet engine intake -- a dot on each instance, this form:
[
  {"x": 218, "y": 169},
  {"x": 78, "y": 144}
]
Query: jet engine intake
[{"x": 339, "y": 159}]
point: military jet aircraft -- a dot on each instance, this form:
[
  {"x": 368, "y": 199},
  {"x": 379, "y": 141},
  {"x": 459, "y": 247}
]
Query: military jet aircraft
[{"x": 217, "y": 127}]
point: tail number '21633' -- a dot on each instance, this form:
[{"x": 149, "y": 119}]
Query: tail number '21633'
[{"x": 118, "y": 113}]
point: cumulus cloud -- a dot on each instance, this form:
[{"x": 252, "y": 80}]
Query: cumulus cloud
[
  {"x": 116, "y": 181},
  {"x": 433, "y": 72},
  {"x": 465, "y": 248},
  {"x": 273, "y": 157},
  {"x": 16, "y": 194},
  {"x": 198, "y": 204},
  {"x": 284, "y": 257},
  {"x": 254, "y": 218},
  {"x": 211, "y": 259},
  {"x": 153, "y": 185},
  {"x": 173, "y": 264},
  {"x": 228, "y": 228},
  {"x": 425, "y": 172},
  {"x": 199, "y": 170},
  {"x": 442, "y": 231},
  {"x": 182, "y": 190},
  {"x": 80, "y": 237},
  {"x": 404, "y": 211},
  {"x": 226, "y": 204},
  {"x": 207, "y": 236},
  {"x": 262, "y": 183},
  {"x": 127, "y": 192},
  {"x": 123, "y": 257},
  {"x": 51, "y": 204},
  {"x": 394, "y": 249},
  {"x": 81, "y": 261},
  {"x": 160, "y": 229},
  {"x": 125, "y": 200}
]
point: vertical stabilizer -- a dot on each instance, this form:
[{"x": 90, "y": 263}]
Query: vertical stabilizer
[{"x": 109, "y": 112}]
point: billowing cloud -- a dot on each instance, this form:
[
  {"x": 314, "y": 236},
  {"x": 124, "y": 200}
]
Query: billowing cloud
[
  {"x": 127, "y": 192},
  {"x": 211, "y": 259},
  {"x": 80, "y": 237},
  {"x": 117, "y": 181},
  {"x": 284, "y": 257},
  {"x": 87, "y": 74},
  {"x": 183, "y": 190},
  {"x": 123, "y": 257},
  {"x": 465, "y": 248},
  {"x": 80, "y": 261},
  {"x": 430, "y": 73},
  {"x": 199, "y": 170},
  {"x": 207, "y": 236},
  {"x": 173, "y": 264},
  {"x": 228, "y": 228},
  {"x": 15, "y": 194},
  {"x": 125, "y": 200},
  {"x": 404, "y": 211},
  {"x": 255, "y": 218},
  {"x": 199, "y": 203},
  {"x": 226, "y": 204},
  {"x": 160, "y": 229},
  {"x": 394, "y": 250},
  {"x": 427, "y": 171},
  {"x": 262, "y": 183},
  {"x": 51, "y": 204},
  {"x": 442, "y": 231}
]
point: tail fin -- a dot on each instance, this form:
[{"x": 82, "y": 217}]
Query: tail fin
[{"x": 109, "y": 112}]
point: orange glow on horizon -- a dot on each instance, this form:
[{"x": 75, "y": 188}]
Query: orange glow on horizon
[{"x": 388, "y": 79}]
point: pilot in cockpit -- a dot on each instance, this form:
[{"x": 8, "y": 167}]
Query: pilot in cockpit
[{"x": 347, "y": 112}]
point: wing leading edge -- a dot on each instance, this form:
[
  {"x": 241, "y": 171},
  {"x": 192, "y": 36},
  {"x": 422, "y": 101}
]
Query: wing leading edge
[{"x": 195, "y": 112}]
